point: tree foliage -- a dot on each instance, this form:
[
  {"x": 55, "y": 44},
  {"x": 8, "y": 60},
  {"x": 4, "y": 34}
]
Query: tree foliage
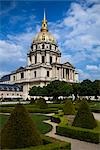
[
  {"x": 60, "y": 88},
  {"x": 19, "y": 131},
  {"x": 84, "y": 117},
  {"x": 55, "y": 89}
]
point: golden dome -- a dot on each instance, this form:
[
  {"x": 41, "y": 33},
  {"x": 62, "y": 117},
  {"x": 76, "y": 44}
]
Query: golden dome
[{"x": 44, "y": 35}]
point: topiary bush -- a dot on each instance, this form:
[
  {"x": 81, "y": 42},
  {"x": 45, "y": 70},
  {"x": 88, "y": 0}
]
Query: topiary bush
[
  {"x": 69, "y": 108},
  {"x": 41, "y": 103},
  {"x": 19, "y": 131},
  {"x": 84, "y": 117}
]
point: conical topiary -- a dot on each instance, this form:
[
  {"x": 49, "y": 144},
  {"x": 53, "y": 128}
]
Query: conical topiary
[
  {"x": 84, "y": 117},
  {"x": 41, "y": 103},
  {"x": 69, "y": 108},
  {"x": 19, "y": 131}
]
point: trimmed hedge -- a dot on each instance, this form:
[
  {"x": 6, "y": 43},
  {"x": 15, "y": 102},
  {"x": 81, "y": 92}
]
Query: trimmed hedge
[
  {"x": 19, "y": 131},
  {"x": 84, "y": 117},
  {"x": 69, "y": 108},
  {"x": 79, "y": 133},
  {"x": 30, "y": 110},
  {"x": 50, "y": 144}
]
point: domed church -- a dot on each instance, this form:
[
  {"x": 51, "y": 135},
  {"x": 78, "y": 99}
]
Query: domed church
[{"x": 44, "y": 64}]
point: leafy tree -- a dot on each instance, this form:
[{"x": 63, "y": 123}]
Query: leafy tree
[
  {"x": 19, "y": 131},
  {"x": 76, "y": 89},
  {"x": 55, "y": 88},
  {"x": 84, "y": 117},
  {"x": 69, "y": 108},
  {"x": 86, "y": 88},
  {"x": 96, "y": 88}
]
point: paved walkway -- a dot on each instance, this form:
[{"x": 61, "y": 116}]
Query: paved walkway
[
  {"x": 75, "y": 144},
  {"x": 97, "y": 116}
]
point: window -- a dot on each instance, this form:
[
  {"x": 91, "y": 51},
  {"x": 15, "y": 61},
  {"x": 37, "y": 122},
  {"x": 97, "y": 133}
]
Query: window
[
  {"x": 63, "y": 73},
  {"x": 35, "y": 74},
  {"x": 47, "y": 73},
  {"x": 13, "y": 78},
  {"x": 43, "y": 46},
  {"x": 50, "y": 59},
  {"x": 43, "y": 59},
  {"x": 30, "y": 58},
  {"x": 35, "y": 59},
  {"x": 57, "y": 68},
  {"x": 22, "y": 75}
]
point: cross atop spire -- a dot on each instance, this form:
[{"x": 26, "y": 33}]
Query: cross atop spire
[{"x": 44, "y": 23}]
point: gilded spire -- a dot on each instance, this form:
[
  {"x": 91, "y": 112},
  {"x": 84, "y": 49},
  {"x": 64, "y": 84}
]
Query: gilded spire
[
  {"x": 44, "y": 23},
  {"x": 44, "y": 15}
]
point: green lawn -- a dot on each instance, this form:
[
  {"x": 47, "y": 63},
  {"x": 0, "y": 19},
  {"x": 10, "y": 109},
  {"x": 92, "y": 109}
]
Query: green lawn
[{"x": 38, "y": 119}]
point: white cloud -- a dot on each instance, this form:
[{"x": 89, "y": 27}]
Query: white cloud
[
  {"x": 8, "y": 50},
  {"x": 93, "y": 68}
]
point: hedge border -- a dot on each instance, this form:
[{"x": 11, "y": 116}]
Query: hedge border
[
  {"x": 52, "y": 144},
  {"x": 79, "y": 133}
]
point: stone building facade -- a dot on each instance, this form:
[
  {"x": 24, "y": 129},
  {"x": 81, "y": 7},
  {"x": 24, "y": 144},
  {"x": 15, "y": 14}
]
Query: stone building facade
[{"x": 44, "y": 64}]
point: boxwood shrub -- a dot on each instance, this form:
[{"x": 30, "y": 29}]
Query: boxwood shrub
[
  {"x": 79, "y": 133},
  {"x": 50, "y": 144}
]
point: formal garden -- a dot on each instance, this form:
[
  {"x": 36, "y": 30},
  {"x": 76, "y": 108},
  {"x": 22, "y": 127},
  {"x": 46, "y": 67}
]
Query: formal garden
[{"x": 25, "y": 124}]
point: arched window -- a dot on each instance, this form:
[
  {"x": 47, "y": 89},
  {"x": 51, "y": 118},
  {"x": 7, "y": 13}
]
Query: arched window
[
  {"x": 50, "y": 59},
  {"x": 35, "y": 59},
  {"x": 35, "y": 74},
  {"x": 43, "y": 46},
  {"x": 43, "y": 59}
]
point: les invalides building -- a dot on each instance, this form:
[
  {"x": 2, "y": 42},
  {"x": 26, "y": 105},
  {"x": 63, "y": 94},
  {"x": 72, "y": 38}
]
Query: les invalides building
[{"x": 44, "y": 65}]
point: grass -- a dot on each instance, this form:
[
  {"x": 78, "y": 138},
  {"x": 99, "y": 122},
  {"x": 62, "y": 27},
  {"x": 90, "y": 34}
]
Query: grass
[
  {"x": 38, "y": 119},
  {"x": 98, "y": 127}
]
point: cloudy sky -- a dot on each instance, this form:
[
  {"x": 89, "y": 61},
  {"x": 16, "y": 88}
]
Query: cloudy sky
[{"x": 74, "y": 23}]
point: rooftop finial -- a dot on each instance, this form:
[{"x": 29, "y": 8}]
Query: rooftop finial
[
  {"x": 44, "y": 15},
  {"x": 44, "y": 23}
]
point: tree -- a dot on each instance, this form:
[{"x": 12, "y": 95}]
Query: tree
[
  {"x": 19, "y": 131},
  {"x": 86, "y": 88},
  {"x": 55, "y": 88},
  {"x": 76, "y": 89},
  {"x": 84, "y": 117},
  {"x": 96, "y": 88},
  {"x": 69, "y": 108}
]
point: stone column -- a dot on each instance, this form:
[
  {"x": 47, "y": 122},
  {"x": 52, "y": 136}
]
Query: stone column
[
  {"x": 38, "y": 58},
  {"x": 33, "y": 59},
  {"x": 58, "y": 59}
]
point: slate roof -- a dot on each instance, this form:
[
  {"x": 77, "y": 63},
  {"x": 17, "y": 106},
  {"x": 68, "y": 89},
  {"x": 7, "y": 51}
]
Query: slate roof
[
  {"x": 10, "y": 87},
  {"x": 5, "y": 78}
]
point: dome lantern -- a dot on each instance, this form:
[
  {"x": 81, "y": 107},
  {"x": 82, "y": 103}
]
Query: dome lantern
[{"x": 44, "y": 24}]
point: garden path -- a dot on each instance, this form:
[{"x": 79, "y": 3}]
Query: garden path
[{"x": 75, "y": 144}]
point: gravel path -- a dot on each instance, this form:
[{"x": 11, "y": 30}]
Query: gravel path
[
  {"x": 75, "y": 144},
  {"x": 97, "y": 116}
]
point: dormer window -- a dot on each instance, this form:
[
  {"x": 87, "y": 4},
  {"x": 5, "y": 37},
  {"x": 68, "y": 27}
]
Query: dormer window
[{"x": 22, "y": 75}]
